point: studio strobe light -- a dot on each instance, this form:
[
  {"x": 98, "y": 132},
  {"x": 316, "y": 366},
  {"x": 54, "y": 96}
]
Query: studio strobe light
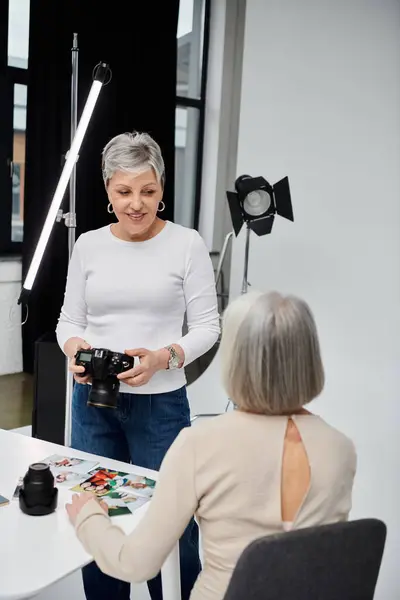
[{"x": 255, "y": 203}]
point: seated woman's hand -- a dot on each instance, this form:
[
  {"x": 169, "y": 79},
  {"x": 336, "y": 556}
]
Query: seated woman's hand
[
  {"x": 151, "y": 361},
  {"x": 71, "y": 348},
  {"x": 78, "y": 502}
]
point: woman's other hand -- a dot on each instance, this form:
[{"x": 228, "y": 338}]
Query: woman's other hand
[
  {"x": 151, "y": 361},
  {"x": 71, "y": 347},
  {"x": 78, "y": 502}
]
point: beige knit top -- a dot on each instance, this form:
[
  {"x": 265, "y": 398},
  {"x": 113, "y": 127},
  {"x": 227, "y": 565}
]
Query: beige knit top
[{"x": 227, "y": 472}]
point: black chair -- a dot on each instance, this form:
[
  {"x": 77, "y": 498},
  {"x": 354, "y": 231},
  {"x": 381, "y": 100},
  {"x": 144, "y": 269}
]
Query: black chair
[{"x": 330, "y": 562}]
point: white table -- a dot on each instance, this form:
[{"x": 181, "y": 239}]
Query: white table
[{"x": 36, "y": 552}]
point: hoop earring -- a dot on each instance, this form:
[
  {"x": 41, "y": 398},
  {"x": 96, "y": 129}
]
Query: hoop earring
[
  {"x": 163, "y": 206},
  {"x": 110, "y": 208}
]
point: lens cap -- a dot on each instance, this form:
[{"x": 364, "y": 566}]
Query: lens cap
[{"x": 38, "y": 495}]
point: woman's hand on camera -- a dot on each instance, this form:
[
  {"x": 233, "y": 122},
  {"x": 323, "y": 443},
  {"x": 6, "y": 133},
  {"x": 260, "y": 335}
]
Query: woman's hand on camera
[
  {"x": 151, "y": 361},
  {"x": 71, "y": 347}
]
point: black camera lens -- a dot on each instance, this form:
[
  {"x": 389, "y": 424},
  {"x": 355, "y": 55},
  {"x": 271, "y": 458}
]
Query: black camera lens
[
  {"x": 103, "y": 366},
  {"x": 38, "y": 495},
  {"x": 104, "y": 393}
]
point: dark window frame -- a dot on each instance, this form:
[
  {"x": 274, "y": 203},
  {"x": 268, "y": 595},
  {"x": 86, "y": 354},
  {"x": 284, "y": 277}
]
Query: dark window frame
[
  {"x": 200, "y": 104},
  {"x": 9, "y": 76}
]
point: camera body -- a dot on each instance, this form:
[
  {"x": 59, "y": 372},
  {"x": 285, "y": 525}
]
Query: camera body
[{"x": 103, "y": 366}]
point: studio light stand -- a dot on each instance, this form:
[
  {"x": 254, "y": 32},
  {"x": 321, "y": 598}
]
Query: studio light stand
[
  {"x": 255, "y": 204},
  {"x": 227, "y": 242},
  {"x": 101, "y": 77},
  {"x": 70, "y": 217},
  {"x": 70, "y": 222},
  {"x": 245, "y": 281}
]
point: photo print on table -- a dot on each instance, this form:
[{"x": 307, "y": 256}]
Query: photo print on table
[
  {"x": 58, "y": 462},
  {"x": 120, "y": 502},
  {"x": 101, "y": 482},
  {"x": 68, "y": 478},
  {"x": 18, "y": 488},
  {"x": 115, "y": 510},
  {"x": 140, "y": 485}
]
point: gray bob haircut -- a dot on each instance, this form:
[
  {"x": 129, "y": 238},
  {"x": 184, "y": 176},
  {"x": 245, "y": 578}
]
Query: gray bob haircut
[
  {"x": 134, "y": 153},
  {"x": 270, "y": 355}
]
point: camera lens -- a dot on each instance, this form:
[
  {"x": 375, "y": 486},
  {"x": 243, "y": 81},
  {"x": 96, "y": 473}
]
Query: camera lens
[
  {"x": 104, "y": 393},
  {"x": 38, "y": 495}
]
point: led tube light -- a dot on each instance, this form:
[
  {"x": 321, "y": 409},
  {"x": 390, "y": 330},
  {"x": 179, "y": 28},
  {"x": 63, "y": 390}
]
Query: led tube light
[{"x": 71, "y": 159}]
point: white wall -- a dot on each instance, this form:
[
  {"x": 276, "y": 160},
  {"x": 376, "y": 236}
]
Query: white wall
[
  {"x": 224, "y": 77},
  {"x": 206, "y": 394},
  {"x": 10, "y": 317},
  {"x": 321, "y": 104}
]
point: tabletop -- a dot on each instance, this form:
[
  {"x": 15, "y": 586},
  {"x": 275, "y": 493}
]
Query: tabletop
[{"x": 35, "y": 552}]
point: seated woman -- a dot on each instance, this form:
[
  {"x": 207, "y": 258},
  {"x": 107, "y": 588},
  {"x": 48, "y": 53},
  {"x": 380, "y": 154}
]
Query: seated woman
[{"x": 266, "y": 467}]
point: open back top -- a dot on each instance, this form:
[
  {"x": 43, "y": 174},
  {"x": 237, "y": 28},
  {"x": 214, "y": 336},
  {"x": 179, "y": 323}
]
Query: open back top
[{"x": 243, "y": 481}]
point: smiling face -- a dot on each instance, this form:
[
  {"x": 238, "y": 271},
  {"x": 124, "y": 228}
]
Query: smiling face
[{"x": 135, "y": 199}]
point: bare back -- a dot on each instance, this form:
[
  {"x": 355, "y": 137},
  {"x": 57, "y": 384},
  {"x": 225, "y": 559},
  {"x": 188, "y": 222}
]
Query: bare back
[{"x": 296, "y": 473}]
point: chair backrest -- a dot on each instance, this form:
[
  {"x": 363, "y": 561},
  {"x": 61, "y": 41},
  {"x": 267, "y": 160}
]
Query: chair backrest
[{"x": 331, "y": 562}]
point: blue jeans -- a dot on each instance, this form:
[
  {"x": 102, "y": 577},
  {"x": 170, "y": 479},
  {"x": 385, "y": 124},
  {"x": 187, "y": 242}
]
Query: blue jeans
[{"x": 139, "y": 431}]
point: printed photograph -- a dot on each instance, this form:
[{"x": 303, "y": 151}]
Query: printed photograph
[
  {"x": 122, "y": 503},
  {"x": 108, "y": 473},
  {"x": 118, "y": 511},
  {"x": 17, "y": 489},
  {"x": 62, "y": 463},
  {"x": 140, "y": 485},
  {"x": 101, "y": 482},
  {"x": 67, "y": 478}
]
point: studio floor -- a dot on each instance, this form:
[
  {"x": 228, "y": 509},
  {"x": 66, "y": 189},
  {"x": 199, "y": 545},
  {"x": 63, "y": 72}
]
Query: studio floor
[{"x": 16, "y": 399}]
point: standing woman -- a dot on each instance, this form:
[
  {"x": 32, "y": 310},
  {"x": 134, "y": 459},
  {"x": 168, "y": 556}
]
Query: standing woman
[{"x": 128, "y": 289}]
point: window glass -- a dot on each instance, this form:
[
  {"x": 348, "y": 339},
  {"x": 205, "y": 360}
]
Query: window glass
[
  {"x": 18, "y": 163},
  {"x": 190, "y": 47},
  {"x": 186, "y": 140},
  {"x": 18, "y": 33}
]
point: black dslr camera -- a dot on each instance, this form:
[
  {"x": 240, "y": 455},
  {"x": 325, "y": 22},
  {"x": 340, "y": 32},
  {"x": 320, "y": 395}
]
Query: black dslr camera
[{"x": 103, "y": 366}]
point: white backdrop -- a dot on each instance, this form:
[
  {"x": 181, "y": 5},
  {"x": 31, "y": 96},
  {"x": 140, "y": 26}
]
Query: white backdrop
[{"x": 321, "y": 104}]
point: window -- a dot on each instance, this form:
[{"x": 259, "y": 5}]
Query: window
[
  {"x": 192, "y": 50},
  {"x": 186, "y": 143},
  {"x": 14, "y": 40},
  {"x": 18, "y": 162},
  {"x": 18, "y": 33}
]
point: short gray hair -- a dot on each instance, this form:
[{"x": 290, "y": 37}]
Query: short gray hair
[
  {"x": 270, "y": 354},
  {"x": 134, "y": 153}
]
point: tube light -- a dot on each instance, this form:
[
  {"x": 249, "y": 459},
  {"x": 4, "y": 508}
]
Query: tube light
[{"x": 71, "y": 159}]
